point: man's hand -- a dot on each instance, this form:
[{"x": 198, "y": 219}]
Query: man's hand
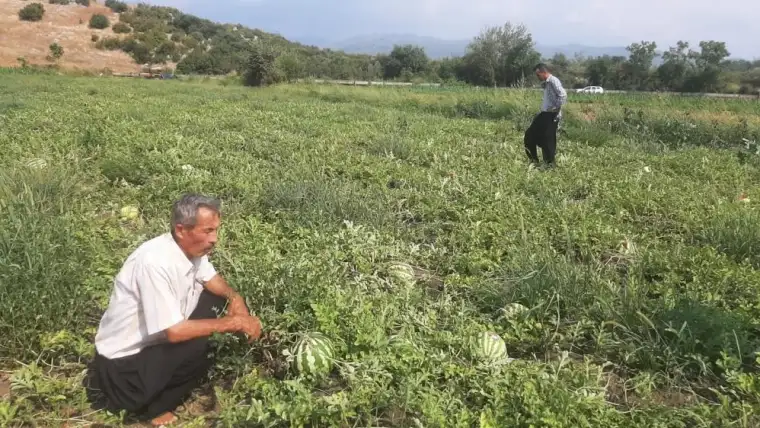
[
  {"x": 247, "y": 324},
  {"x": 237, "y": 306},
  {"x": 218, "y": 286}
]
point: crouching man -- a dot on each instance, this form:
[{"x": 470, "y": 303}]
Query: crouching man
[{"x": 151, "y": 345}]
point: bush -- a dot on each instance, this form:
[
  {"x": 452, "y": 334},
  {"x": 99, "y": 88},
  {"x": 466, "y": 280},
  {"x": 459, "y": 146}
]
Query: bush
[
  {"x": 82, "y": 2},
  {"x": 99, "y": 21},
  {"x": 56, "y": 51},
  {"x": 61, "y": 2},
  {"x": 32, "y": 12},
  {"x": 110, "y": 43},
  {"x": 116, "y": 6},
  {"x": 121, "y": 28},
  {"x": 177, "y": 36}
]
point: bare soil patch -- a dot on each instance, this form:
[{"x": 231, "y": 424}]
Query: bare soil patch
[{"x": 5, "y": 386}]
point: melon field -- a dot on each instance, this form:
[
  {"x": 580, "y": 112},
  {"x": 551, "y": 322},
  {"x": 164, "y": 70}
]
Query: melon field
[{"x": 624, "y": 283}]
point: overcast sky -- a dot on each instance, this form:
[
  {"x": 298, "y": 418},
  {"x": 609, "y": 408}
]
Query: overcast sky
[{"x": 590, "y": 22}]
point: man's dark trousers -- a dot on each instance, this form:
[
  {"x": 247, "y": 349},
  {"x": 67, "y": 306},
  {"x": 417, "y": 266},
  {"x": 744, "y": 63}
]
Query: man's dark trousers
[
  {"x": 159, "y": 378},
  {"x": 542, "y": 132}
]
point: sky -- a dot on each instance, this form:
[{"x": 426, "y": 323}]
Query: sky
[{"x": 551, "y": 22}]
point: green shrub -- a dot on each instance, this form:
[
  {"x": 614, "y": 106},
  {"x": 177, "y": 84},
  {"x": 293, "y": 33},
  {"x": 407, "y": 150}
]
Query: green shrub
[
  {"x": 116, "y": 6},
  {"x": 177, "y": 36},
  {"x": 110, "y": 43},
  {"x": 32, "y": 12},
  {"x": 56, "y": 51},
  {"x": 82, "y": 2},
  {"x": 61, "y": 2},
  {"x": 121, "y": 28},
  {"x": 99, "y": 21}
]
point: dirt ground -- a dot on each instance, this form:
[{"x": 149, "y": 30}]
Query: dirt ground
[{"x": 5, "y": 386}]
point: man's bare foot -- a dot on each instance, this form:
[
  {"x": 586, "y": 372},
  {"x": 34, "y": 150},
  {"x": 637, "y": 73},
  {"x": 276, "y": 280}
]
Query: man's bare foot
[{"x": 165, "y": 419}]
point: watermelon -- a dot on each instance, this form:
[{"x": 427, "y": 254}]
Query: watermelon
[
  {"x": 491, "y": 347},
  {"x": 129, "y": 212},
  {"x": 313, "y": 353},
  {"x": 514, "y": 309},
  {"x": 36, "y": 163},
  {"x": 401, "y": 273}
]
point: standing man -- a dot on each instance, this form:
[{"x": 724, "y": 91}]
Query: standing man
[
  {"x": 543, "y": 130},
  {"x": 151, "y": 345}
]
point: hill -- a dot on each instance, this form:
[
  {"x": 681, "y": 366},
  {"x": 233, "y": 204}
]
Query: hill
[
  {"x": 149, "y": 34},
  {"x": 142, "y": 34},
  {"x": 68, "y": 26}
]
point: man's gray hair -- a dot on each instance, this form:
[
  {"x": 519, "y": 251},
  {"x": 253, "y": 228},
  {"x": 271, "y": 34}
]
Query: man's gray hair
[{"x": 185, "y": 210}]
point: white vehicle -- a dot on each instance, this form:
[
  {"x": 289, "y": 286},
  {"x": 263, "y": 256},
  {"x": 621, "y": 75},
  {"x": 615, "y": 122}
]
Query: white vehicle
[{"x": 591, "y": 90}]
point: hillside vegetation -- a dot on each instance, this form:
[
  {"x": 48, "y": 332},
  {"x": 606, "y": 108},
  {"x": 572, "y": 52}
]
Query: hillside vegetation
[
  {"x": 636, "y": 258},
  {"x": 499, "y": 56}
]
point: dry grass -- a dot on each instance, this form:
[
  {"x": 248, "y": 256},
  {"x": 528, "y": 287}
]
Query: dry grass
[{"x": 60, "y": 24}]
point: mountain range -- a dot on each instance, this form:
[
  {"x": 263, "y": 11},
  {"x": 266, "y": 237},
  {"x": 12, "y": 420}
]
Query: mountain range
[{"x": 439, "y": 48}]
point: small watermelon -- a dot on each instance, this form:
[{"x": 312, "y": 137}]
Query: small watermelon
[
  {"x": 402, "y": 273},
  {"x": 514, "y": 309},
  {"x": 129, "y": 212},
  {"x": 36, "y": 163},
  {"x": 491, "y": 347},
  {"x": 313, "y": 353}
]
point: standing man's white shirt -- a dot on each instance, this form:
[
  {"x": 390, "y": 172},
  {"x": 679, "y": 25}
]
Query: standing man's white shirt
[
  {"x": 157, "y": 287},
  {"x": 555, "y": 95}
]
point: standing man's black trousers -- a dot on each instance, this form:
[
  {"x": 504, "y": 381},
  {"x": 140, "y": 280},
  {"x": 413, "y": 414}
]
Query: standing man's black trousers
[
  {"x": 159, "y": 378},
  {"x": 542, "y": 132}
]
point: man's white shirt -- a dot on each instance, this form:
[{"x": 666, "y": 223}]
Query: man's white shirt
[
  {"x": 555, "y": 95},
  {"x": 157, "y": 287}
]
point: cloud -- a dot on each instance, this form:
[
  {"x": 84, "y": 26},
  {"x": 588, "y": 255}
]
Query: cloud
[{"x": 592, "y": 22}]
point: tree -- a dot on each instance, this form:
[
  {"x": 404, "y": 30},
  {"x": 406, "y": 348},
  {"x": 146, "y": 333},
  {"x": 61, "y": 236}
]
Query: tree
[
  {"x": 559, "y": 64},
  {"x": 712, "y": 53},
  {"x": 639, "y": 64},
  {"x": 500, "y": 56},
  {"x": 290, "y": 66},
  {"x": 164, "y": 51},
  {"x": 139, "y": 52},
  {"x": 260, "y": 69},
  {"x": 676, "y": 67},
  {"x": 373, "y": 69},
  {"x": 411, "y": 58},
  {"x": 606, "y": 71},
  {"x": 449, "y": 68},
  {"x": 32, "y": 12},
  {"x": 196, "y": 62},
  {"x": 708, "y": 63}
]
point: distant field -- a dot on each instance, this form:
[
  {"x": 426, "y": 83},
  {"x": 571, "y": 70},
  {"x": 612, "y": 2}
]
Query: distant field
[{"x": 637, "y": 257}]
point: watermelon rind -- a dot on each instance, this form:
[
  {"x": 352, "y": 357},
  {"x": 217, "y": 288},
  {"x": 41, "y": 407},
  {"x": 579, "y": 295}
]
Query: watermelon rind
[
  {"x": 491, "y": 347},
  {"x": 313, "y": 353},
  {"x": 402, "y": 273}
]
